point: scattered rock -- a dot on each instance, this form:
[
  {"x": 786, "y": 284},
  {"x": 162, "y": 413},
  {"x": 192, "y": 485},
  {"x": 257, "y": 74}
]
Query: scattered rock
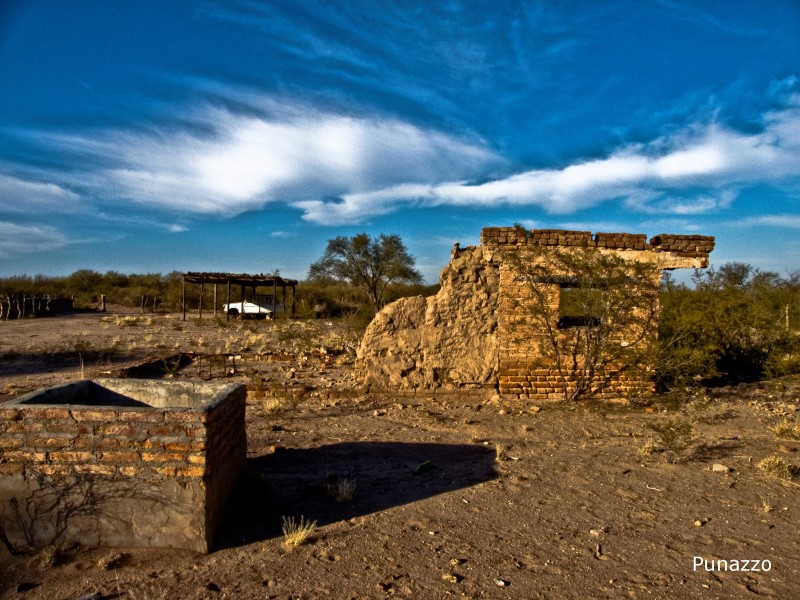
[
  {"x": 452, "y": 577},
  {"x": 720, "y": 468},
  {"x": 502, "y": 583}
]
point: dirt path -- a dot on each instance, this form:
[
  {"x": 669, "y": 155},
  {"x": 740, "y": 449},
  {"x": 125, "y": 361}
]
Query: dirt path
[{"x": 455, "y": 498}]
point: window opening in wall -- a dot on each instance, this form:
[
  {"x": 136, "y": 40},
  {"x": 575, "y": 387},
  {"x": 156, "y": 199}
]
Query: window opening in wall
[{"x": 580, "y": 306}]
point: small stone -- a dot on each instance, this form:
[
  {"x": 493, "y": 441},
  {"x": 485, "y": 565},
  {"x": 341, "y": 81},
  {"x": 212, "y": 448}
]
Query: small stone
[
  {"x": 720, "y": 468},
  {"x": 534, "y": 409},
  {"x": 452, "y": 577},
  {"x": 598, "y": 532},
  {"x": 501, "y": 583},
  {"x": 698, "y": 523},
  {"x": 787, "y": 449},
  {"x": 502, "y": 411}
]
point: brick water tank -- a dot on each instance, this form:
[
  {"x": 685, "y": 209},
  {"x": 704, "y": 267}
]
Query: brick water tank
[{"x": 120, "y": 462}]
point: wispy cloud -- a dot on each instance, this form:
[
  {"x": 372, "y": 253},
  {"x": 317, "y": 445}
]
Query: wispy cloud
[
  {"x": 786, "y": 220},
  {"x": 26, "y": 196},
  {"x": 663, "y": 176},
  {"x": 27, "y": 239},
  {"x": 243, "y": 162}
]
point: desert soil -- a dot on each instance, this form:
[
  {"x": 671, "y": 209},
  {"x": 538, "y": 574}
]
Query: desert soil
[{"x": 455, "y": 497}]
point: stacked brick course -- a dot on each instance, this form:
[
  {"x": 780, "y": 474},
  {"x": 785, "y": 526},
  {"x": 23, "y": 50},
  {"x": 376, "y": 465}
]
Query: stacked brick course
[
  {"x": 195, "y": 452},
  {"x": 684, "y": 246}
]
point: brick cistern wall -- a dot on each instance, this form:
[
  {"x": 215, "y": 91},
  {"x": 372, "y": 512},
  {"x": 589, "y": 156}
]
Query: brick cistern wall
[{"x": 154, "y": 476}]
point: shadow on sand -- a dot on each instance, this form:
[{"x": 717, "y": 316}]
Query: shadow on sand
[{"x": 295, "y": 482}]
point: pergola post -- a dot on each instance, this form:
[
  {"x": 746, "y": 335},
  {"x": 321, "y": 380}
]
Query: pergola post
[
  {"x": 184, "y": 299},
  {"x": 228, "y": 312},
  {"x": 293, "y": 295},
  {"x": 215, "y": 300},
  {"x": 200, "y": 306}
]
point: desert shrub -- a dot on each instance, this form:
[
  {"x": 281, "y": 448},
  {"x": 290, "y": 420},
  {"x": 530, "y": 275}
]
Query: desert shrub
[
  {"x": 737, "y": 324},
  {"x": 675, "y": 436}
]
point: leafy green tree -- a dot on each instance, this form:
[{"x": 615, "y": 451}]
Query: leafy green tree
[{"x": 369, "y": 264}]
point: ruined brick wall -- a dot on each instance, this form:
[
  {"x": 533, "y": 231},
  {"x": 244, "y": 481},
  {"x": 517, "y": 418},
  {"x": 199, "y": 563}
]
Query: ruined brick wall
[
  {"x": 160, "y": 475},
  {"x": 473, "y": 332},
  {"x": 523, "y": 371}
]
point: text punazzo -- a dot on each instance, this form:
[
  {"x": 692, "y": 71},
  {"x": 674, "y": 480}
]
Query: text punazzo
[{"x": 752, "y": 565}]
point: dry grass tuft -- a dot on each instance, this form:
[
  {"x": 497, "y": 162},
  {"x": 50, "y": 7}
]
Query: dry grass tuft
[
  {"x": 342, "y": 490},
  {"x": 786, "y": 430},
  {"x": 776, "y": 466},
  {"x": 649, "y": 448},
  {"x": 296, "y": 533},
  {"x": 500, "y": 452}
]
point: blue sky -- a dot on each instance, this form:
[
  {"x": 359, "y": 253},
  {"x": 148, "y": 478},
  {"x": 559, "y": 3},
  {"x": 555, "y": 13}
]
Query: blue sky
[{"x": 161, "y": 135}]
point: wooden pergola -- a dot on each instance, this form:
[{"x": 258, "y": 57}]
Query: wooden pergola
[{"x": 241, "y": 279}]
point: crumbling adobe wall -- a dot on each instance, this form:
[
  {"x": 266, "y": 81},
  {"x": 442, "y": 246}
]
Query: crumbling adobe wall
[
  {"x": 444, "y": 341},
  {"x": 463, "y": 337}
]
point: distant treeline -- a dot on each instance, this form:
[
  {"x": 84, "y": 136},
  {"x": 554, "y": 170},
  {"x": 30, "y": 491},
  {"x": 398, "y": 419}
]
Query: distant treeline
[
  {"x": 735, "y": 323},
  {"x": 159, "y": 292}
]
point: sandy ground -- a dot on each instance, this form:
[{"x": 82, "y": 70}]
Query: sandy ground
[{"x": 451, "y": 497}]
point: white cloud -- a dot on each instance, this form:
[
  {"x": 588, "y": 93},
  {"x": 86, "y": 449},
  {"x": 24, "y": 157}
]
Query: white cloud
[
  {"x": 661, "y": 177},
  {"x": 341, "y": 169},
  {"x": 294, "y": 155},
  {"x": 788, "y": 221},
  {"x": 25, "y": 196},
  {"x": 26, "y": 239}
]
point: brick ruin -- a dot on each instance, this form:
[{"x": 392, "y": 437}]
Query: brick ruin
[
  {"x": 120, "y": 462},
  {"x": 466, "y": 337}
]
